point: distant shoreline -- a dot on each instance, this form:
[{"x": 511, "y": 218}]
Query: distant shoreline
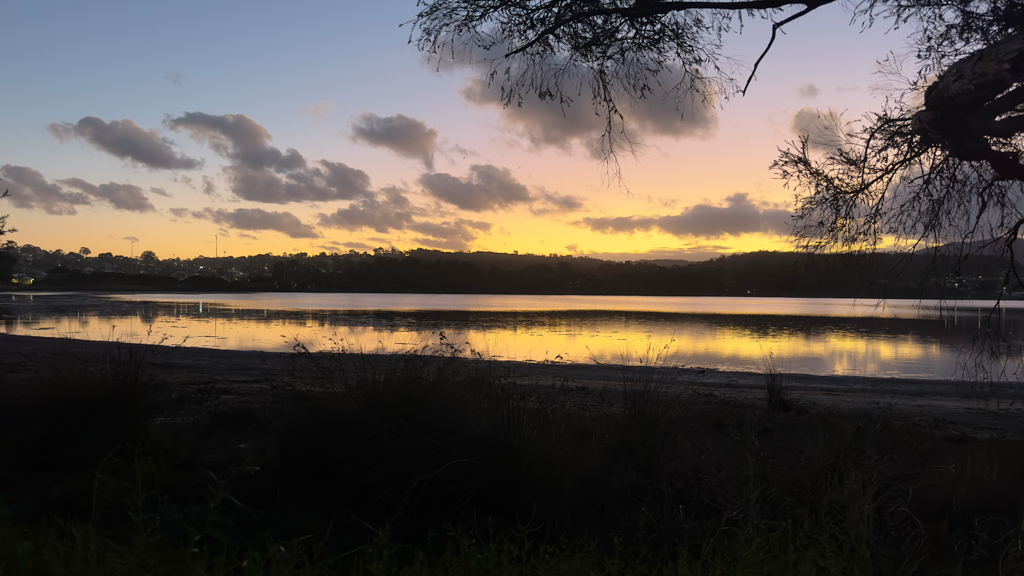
[
  {"x": 770, "y": 274},
  {"x": 16, "y": 289}
]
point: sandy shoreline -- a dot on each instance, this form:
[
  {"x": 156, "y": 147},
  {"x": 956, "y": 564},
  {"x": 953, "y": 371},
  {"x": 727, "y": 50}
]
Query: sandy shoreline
[{"x": 978, "y": 409}]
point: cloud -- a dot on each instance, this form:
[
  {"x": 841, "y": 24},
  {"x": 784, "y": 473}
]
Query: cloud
[
  {"x": 358, "y": 246},
  {"x": 121, "y": 196},
  {"x": 552, "y": 202},
  {"x": 239, "y": 138},
  {"x": 209, "y": 186},
  {"x": 125, "y": 139},
  {"x": 174, "y": 78},
  {"x": 388, "y": 210},
  {"x": 487, "y": 187},
  {"x": 29, "y": 189},
  {"x": 186, "y": 181},
  {"x": 318, "y": 110},
  {"x": 334, "y": 181},
  {"x": 620, "y": 224},
  {"x": 348, "y": 182},
  {"x": 455, "y": 235},
  {"x": 543, "y": 124},
  {"x": 405, "y": 136},
  {"x": 824, "y": 131},
  {"x": 738, "y": 216},
  {"x": 257, "y": 219},
  {"x": 159, "y": 191},
  {"x": 262, "y": 173},
  {"x": 130, "y": 238},
  {"x": 807, "y": 90},
  {"x": 553, "y": 124}
]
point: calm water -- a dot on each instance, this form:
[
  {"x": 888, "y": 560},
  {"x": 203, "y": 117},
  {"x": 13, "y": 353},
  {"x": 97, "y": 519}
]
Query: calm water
[{"x": 809, "y": 335}]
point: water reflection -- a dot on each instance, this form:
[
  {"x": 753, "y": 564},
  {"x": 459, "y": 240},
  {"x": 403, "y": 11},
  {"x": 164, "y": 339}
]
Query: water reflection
[{"x": 815, "y": 336}]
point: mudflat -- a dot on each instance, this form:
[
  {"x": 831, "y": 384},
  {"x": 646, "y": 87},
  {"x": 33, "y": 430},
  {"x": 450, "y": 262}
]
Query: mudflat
[{"x": 241, "y": 379}]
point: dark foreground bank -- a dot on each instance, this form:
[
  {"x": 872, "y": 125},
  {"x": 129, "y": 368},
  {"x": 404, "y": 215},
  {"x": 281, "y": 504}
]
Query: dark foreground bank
[{"x": 122, "y": 459}]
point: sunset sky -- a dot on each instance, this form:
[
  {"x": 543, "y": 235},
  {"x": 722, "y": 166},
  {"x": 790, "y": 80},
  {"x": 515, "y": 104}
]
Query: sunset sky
[{"x": 315, "y": 126}]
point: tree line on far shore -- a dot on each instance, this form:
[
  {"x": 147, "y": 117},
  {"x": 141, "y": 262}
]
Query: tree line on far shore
[{"x": 926, "y": 274}]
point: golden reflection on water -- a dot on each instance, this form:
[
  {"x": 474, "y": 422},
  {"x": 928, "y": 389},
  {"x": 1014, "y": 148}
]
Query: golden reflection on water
[{"x": 730, "y": 342}]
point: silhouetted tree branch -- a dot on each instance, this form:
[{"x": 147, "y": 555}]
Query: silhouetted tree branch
[
  {"x": 940, "y": 166},
  {"x": 3, "y": 219}
]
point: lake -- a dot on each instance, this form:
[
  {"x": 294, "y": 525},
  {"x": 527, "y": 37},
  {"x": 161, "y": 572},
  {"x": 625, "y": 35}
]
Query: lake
[{"x": 904, "y": 338}]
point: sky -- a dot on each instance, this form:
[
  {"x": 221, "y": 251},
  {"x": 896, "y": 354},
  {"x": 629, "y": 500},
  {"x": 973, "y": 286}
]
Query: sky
[{"x": 315, "y": 126}]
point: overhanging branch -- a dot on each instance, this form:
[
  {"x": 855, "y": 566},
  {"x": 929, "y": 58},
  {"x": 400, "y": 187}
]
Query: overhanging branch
[{"x": 643, "y": 9}]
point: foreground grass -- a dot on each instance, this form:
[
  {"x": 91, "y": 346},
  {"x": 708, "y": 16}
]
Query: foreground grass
[{"x": 421, "y": 464}]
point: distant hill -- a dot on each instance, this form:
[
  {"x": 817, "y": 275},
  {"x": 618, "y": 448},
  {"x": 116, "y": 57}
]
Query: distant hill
[
  {"x": 506, "y": 261},
  {"x": 984, "y": 247}
]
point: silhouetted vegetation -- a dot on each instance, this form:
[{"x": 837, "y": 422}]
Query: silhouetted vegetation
[
  {"x": 424, "y": 463},
  {"x": 926, "y": 274}
]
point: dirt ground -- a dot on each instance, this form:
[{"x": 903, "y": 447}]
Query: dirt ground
[{"x": 979, "y": 410}]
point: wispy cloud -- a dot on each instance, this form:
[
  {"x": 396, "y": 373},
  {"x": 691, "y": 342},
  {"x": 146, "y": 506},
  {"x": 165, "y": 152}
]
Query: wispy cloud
[
  {"x": 319, "y": 109},
  {"x": 807, "y": 90}
]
